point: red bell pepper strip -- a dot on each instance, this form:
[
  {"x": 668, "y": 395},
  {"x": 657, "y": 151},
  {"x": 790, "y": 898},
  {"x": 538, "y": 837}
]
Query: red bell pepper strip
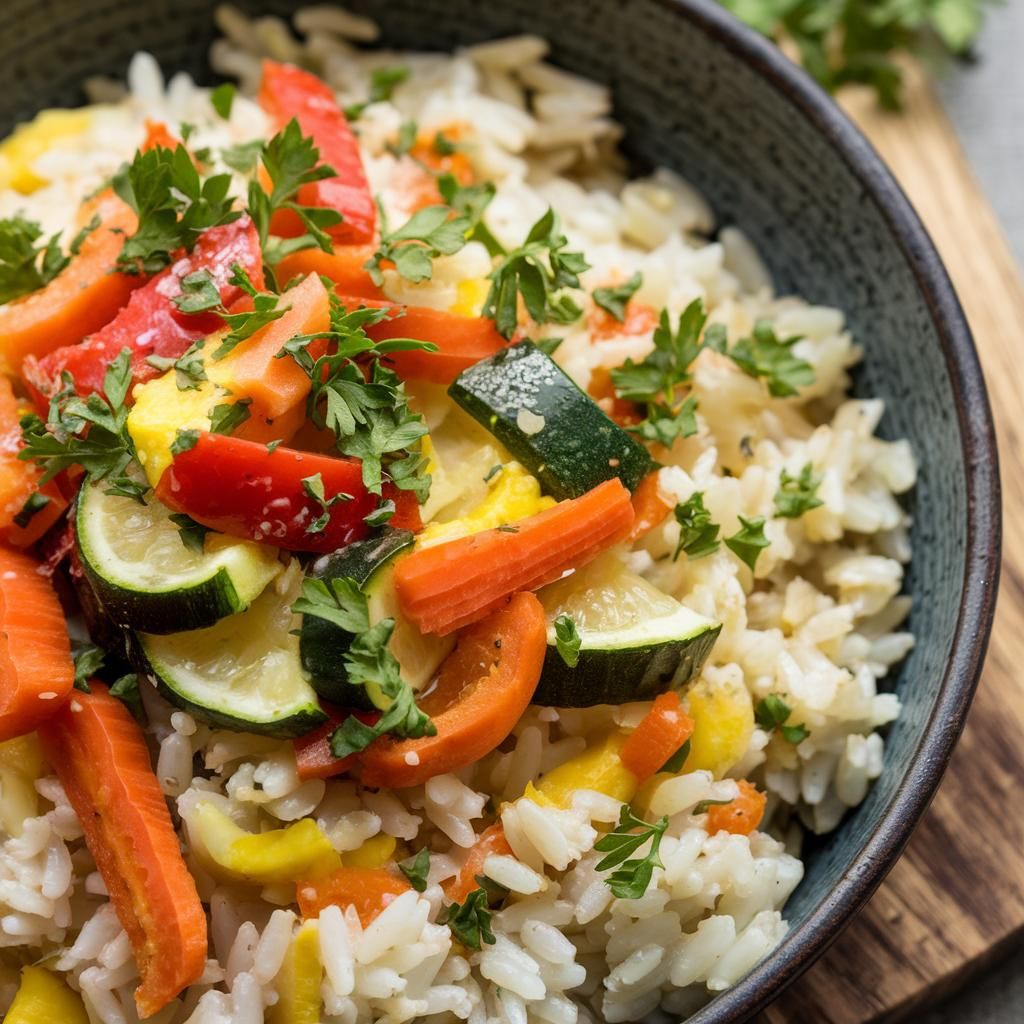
[
  {"x": 313, "y": 756},
  {"x": 151, "y": 324},
  {"x": 101, "y": 758},
  {"x": 288, "y": 92},
  {"x": 240, "y": 488}
]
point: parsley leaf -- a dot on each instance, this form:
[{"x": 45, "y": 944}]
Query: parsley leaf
[
  {"x": 567, "y": 640},
  {"x": 748, "y": 541},
  {"x": 470, "y": 921},
  {"x": 383, "y": 82},
  {"x": 797, "y": 494},
  {"x": 471, "y": 201},
  {"x": 88, "y": 659},
  {"x": 427, "y": 234},
  {"x": 675, "y": 763},
  {"x": 21, "y": 270},
  {"x": 189, "y": 368},
  {"x": 770, "y": 358},
  {"x": 772, "y": 712},
  {"x": 443, "y": 146},
  {"x": 225, "y": 418},
  {"x": 381, "y": 515},
  {"x": 663, "y": 425},
  {"x": 537, "y": 270},
  {"x": 338, "y": 601},
  {"x": 222, "y": 99},
  {"x": 184, "y": 441},
  {"x": 34, "y": 504},
  {"x": 243, "y": 156},
  {"x": 698, "y": 535},
  {"x": 632, "y": 875},
  {"x": 126, "y": 689},
  {"x": 417, "y": 869},
  {"x": 199, "y": 293},
  {"x": 266, "y": 309},
  {"x": 406, "y": 139},
  {"x": 313, "y": 486},
  {"x": 192, "y": 534},
  {"x": 613, "y": 300}
]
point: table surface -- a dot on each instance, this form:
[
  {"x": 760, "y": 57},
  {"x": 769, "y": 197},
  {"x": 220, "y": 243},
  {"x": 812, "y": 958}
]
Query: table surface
[{"x": 985, "y": 101}]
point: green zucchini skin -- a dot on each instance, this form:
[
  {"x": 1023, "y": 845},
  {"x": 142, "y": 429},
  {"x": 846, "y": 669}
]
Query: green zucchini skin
[
  {"x": 623, "y": 675},
  {"x": 578, "y": 446},
  {"x": 322, "y": 643}
]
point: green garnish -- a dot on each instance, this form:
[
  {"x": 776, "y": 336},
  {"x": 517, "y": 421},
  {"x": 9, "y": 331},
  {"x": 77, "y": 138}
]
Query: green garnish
[
  {"x": 471, "y": 201},
  {"x": 383, "y": 82},
  {"x": 34, "y": 504},
  {"x": 225, "y": 418},
  {"x": 632, "y": 875},
  {"x": 88, "y": 659},
  {"x": 313, "y": 486},
  {"x": 748, "y": 541},
  {"x": 192, "y": 534},
  {"x": 772, "y": 712},
  {"x": 769, "y": 358},
  {"x": 243, "y": 156},
  {"x": 675, "y": 763},
  {"x": 663, "y": 424},
  {"x": 184, "y": 441},
  {"x": 199, "y": 293},
  {"x": 567, "y": 640},
  {"x": 427, "y": 234},
  {"x": 189, "y": 368},
  {"x": 381, "y": 515},
  {"x": 797, "y": 494},
  {"x": 537, "y": 271},
  {"x": 406, "y": 139},
  {"x": 21, "y": 269},
  {"x": 470, "y": 921},
  {"x": 266, "y": 309},
  {"x": 698, "y": 535},
  {"x": 443, "y": 146},
  {"x": 417, "y": 869},
  {"x": 126, "y": 689},
  {"x": 222, "y": 99},
  {"x": 615, "y": 299}
]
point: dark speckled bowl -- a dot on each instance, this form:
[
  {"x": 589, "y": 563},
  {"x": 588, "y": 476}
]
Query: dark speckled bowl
[{"x": 700, "y": 93}]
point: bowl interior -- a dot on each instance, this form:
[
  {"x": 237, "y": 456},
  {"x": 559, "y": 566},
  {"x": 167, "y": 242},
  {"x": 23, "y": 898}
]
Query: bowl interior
[{"x": 715, "y": 105}]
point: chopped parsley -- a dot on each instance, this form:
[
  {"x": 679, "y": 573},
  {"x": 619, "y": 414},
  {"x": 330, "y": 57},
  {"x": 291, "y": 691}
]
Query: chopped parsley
[
  {"x": 613, "y": 300},
  {"x": 664, "y": 424},
  {"x": 443, "y": 146},
  {"x": 417, "y": 869},
  {"x": 225, "y": 418},
  {"x": 797, "y": 494},
  {"x": 22, "y": 271},
  {"x": 34, "y": 504},
  {"x": 772, "y": 712},
  {"x": 189, "y": 368},
  {"x": 313, "y": 487},
  {"x": 632, "y": 875},
  {"x": 675, "y": 763},
  {"x": 222, "y": 99},
  {"x": 405, "y": 140},
  {"x": 538, "y": 271},
  {"x": 698, "y": 535},
  {"x": 184, "y": 441},
  {"x": 126, "y": 689},
  {"x": 427, "y": 234},
  {"x": 243, "y": 156},
  {"x": 749, "y": 541},
  {"x": 383, "y": 82},
  {"x": 765, "y": 356},
  {"x": 199, "y": 293},
  {"x": 192, "y": 534},
  {"x": 471, "y": 201},
  {"x": 567, "y": 640},
  {"x": 381, "y": 515},
  {"x": 470, "y": 921},
  {"x": 88, "y": 659},
  {"x": 266, "y": 309}
]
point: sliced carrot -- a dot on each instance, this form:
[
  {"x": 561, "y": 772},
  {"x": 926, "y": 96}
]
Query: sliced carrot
[
  {"x": 346, "y": 267},
  {"x": 369, "y": 890},
  {"x": 490, "y": 842},
  {"x": 157, "y": 134},
  {"x": 101, "y": 758},
  {"x": 19, "y": 479},
  {"x": 417, "y": 177},
  {"x": 450, "y": 585},
  {"x": 649, "y": 508},
  {"x": 82, "y": 298},
  {"x": 640, "y": 319},
  {"x": 661, "y": 732},
  {"x": 741, "y": 816},
  {"x": 36, "y": 672},
  {"x": 279, "y": 385},
  {"x": 483, "y": 688},
  {"x": 601, "y": 389}
]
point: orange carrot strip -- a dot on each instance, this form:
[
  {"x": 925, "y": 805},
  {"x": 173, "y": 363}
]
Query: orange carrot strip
[
  {"x": 158, "y": 134},
  {"x": 345, "y": 267},
  {"x": 661, "y": 732},
  {"x": 741, "y": 816},
  {"x": 279, "y": 385},
  {"x": 490, "y": 842},
  {"x": 101, "y": 759},
  {"x": 649, "y": 508},
  {"x": 450, "y": 585},
  {"x": 602, "y": 390},
  {"x": 483, "y": 688},
  {"x": 82, "y": 298},
  {"x": 369, "y": 890},
  {"x": 36, "y": 672}
]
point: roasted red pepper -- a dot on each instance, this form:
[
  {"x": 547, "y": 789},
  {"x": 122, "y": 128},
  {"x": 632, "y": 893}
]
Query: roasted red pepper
[
  {"x": 313, "y": 756},
  {"x": 242, "y": 489},
  {"x": 288, "y": 92},
  {"x": 150, "y": 324}
]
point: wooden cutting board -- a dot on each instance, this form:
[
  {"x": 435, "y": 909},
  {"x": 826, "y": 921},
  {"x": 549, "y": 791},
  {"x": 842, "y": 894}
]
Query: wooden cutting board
[{"x": 956, "y": 898}]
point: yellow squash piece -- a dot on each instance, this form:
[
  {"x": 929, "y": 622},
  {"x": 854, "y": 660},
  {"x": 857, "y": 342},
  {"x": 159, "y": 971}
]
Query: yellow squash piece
[
  {"x": 21, "y": 763},
  {"x": 513, "y": 495},
  {"x": 723, "y": 717},
  {"x": 298, "y": 981},
  {"x": 469, "y": 296},
  {"x": 376, "y": 852},
  {"x": 43, "y": 998},
  {"x": 20, "y": 150},
  {"x": 300, "y": 850},
  {"x": 599, "y": 768}
]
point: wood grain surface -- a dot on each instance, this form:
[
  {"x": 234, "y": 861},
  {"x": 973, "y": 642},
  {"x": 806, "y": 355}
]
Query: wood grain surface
[{"x": 957, "y": 895}]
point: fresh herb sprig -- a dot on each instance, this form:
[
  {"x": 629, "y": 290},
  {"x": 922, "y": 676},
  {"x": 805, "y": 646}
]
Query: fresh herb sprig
[
  {"x": 767, "y": 357},
  {"x": 383, "y": 82},
  {"x": 698, "y": 535},
  {"x": 417, "y": 869},
  {"x": 632, "y": 875},
  {"x": 567, "y": 640},
  {"x": 368, "y": 662},
  {"x": 748, "y": 541},
  {"x": 797, "y": 494},
  {"x": 412, "y": 248},
  {"x": 470, "y": 921},
  {"x": 613, "y": 299},
  {"x": 538, "y": 270},
  {"x": 25, "y": 265},
  {"x": 772, "y": 712}
]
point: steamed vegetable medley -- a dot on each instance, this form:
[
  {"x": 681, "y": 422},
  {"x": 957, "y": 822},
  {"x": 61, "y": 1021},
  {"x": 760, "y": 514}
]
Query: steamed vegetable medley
[{"x": 280, "y": 504}]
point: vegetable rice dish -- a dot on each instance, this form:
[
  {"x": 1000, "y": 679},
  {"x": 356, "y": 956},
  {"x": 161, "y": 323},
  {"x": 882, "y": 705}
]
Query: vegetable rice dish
[{"x": 440, "y": 579}]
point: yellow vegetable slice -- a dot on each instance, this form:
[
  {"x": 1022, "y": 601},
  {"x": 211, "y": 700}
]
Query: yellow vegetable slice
[
  {"x": 376, "y": 852},
  {"x": 298, "y": 981},
  {"x": 723, "y": 716},
  {"x": 20, "y": 150},
  {"x": 598, "y": 768},
  {"x": 42, "y": 998}
]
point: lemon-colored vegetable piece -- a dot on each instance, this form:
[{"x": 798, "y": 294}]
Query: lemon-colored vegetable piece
[
  {"x": 298, "y": 981},
  {"x": 513, "y": 495},
  {"x": 300, "y": 850},
  {"x": 20, "y": 150},
  {"x": 43, "y": 998},
  {"x": 376, "y": 852},
  {"x": 21, "y": 763},
  {"x": 24, "y": 754},
  {"x": 599, "y": 768},
  {"x": 723, "y": 716},
  {"x": 469, "y": 296}
]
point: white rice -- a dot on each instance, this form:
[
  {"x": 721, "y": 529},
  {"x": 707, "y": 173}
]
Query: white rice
[{"x": 821, "y": 629}]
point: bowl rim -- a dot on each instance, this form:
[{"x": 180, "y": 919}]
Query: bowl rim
[{"x": 802, "y": 946}]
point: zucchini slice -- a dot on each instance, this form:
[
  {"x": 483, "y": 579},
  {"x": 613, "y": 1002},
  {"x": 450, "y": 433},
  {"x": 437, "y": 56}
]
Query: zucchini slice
[
  {"x": 558, "y": 432},
  {"x": 637, "y": 642},
  {"x": 244, "y": 673},
  {"x": 371, "y": 564},
  {"x": 145, "y": 578}
]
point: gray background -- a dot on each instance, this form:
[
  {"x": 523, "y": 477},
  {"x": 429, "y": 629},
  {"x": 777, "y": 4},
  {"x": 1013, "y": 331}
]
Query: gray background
[{"x": 985, "y": 100}]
